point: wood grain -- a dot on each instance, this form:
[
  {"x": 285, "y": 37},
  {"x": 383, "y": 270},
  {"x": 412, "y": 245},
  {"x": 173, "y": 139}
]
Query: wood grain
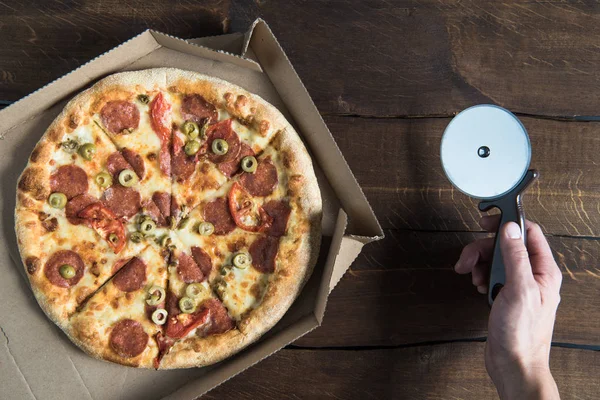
[
  {"x": 432, "y": 57},
  {"x": 403, "y": 290},
  {"x": 397, "y": 162},
  {"x": 397, "y": 59},
  {"x": 448, "y": 371},
  {"x": 43, "y": 40}
]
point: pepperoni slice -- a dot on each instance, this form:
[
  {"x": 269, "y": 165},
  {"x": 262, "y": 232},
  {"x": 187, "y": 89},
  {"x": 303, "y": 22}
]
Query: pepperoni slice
[
  {"x": 117, "y": 163},
  {"x": 182, "y": 165},
  {"x": 217, "y": 213},
  {"x": 119, "y": 115},
  {"x": 175, "y": 210},
  {"x": 220, "y": 321},
  {"x": 75, "y": 205},
  {"x": 124, "y": 202},
  {"x": 188, "y": 270},
  {"x": 202, "y": 259},
  {"x": 280, "y": 211},
  {"x": 128, "y": 338},
  {"x": 62, "y": 257},
  {"x": 231, "y": 167},
  {"x": 70, "y": 180},
  {"x": 153, "y": 211},
  {"x": 223, "y": 130},
  {"x": 195, "y": 107},
  {"x": 159, "y": 111},
  {"x": 246, "y": 213},
  {"x": 132, "y": 276},
  {"x": 263, "y": 181},
  {"x": 263, "y": 252},
  {"x": 136, "y": 161},
  {"x": 163, "y": 201}
]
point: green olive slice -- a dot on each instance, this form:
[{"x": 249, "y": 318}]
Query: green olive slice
[
  {"x": 165, "y": 241},
  {"x": 192, "y": 147},
  {"x": 127, "y": 178},
  {"x": 203, "y": 133},
  {"x": 159, "y": 316},
  {"x": 195, "y": 290},
  {"x": 143, "y": 98},
  {"x": 242, "y": 260},
  {"x": 147, "y": 226},
  {"x": 113, "y": 238},
  {"x": 67, "y": 271},
  {"x": 183, "y": 223},
  {"x": 220, "y": 147},
  {"x": 104, "y": 179},
  {"x": 57, "y": 200},
  {"x": 87, "y": 151},
  {"x": 249, "y": 164},
  {"x": 223, "y": 271},
  {"x": 186, "y": 305},
  {"x": 190, "y": 129},
  {"x": 136, "y": 237},
  {"x": 156, "y": 295},
  {"x": 70, "y": 146},
  {"x": 206, "y": 228}
]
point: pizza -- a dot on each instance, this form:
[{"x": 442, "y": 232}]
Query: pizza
[{"x": 167, "y": 219}]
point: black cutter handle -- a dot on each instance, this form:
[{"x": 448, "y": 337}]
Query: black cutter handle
[{"x": 511, "y": 210}]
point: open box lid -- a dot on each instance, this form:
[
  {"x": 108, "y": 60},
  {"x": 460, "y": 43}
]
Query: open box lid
[{"x": 36, "y": 359}]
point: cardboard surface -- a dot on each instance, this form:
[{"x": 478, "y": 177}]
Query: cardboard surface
[{"x": 36, "y": 359}]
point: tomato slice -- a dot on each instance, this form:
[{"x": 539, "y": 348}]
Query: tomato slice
[
  {"x": 180, "y": 325},
  {"x": 105, "y": 222},
  {"x": 159, "y": 111},
  {"x": 246, "y": 213}
]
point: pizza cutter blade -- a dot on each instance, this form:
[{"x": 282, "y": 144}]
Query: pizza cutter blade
[{"x": 485, "y": 153}]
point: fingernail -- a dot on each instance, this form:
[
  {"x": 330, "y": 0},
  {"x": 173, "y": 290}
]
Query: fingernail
[
  {"x": 513, "y": 231},
  {"x": 482, "y": 289}
]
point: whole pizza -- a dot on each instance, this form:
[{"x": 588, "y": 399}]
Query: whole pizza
[{"x": 167, "y": 219}]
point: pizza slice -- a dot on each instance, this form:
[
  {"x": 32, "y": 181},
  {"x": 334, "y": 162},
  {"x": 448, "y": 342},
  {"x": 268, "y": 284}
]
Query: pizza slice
[
  {"x": 194, "y": 314},
  {"x": 138, "y": 121},
  {"x": 215, "y": 133},
  {"x": 66, "y": 164},
  {"x": 121, "y": 321},
  {"x": 66, "y": 263}
]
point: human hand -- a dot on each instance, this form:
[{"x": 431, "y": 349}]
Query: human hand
[{"x": 522, "y": 317}]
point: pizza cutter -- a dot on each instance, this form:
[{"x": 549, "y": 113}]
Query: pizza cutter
[{"x": 485, "y": 154}]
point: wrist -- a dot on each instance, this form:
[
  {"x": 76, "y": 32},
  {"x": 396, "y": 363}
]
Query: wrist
[{"x": 526, "y": 382}]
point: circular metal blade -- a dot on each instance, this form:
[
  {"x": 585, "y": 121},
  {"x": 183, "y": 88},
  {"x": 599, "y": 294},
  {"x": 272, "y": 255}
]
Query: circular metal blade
[{"x": 485, "y": 151}]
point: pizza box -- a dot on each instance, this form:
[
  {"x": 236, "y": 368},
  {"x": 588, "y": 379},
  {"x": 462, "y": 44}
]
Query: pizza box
[{"x": 36, "y": 359}]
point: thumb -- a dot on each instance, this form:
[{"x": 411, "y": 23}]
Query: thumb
[{"x": 515, "y": 255}]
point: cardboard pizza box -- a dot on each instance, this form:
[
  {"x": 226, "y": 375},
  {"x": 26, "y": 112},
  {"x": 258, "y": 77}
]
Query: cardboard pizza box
[{"x": 37, "y": 360}]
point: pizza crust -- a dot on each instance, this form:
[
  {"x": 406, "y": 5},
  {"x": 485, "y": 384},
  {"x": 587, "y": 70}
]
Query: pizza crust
[{"x": 298, "y": 250}]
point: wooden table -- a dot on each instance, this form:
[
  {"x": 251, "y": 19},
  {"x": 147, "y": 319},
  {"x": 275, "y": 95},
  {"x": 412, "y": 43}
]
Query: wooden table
[{"x": 387, "y": 76}]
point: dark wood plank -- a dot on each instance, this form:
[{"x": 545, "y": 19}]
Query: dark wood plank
[
  {"x": 448, "y": 371},
  {"x": 397, "y": 163},
  {"x": 430, "y": 57},
  {"x": 43, "y": 40},
  {"x": 403, "y": 290},
  {"x": 401, "y": 58}
]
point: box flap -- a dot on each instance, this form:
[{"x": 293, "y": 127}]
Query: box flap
[{"x": 362, "y": 220}]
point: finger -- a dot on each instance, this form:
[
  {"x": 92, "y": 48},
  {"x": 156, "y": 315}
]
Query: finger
[
  {"x": 474, "y": 253},
  {"x": 490, "y": 222},
  {"x": 515, "y": 256},
  {"x": 540, "y": 255},
  {"x": 481, "y": 275}
]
